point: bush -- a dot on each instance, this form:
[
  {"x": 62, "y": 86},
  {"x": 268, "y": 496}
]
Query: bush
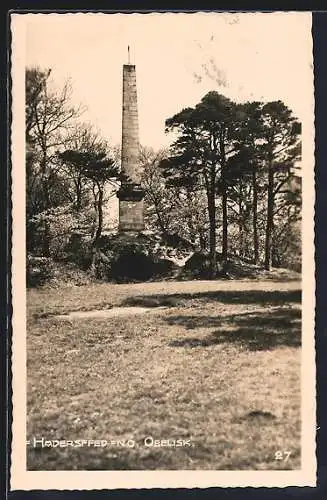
[
  {"x": 55, "y": 232},
  {"x": 165, "y": 268},
  {"x": 131, "y": 264},
  {"x": 39, "y": 270},
  {"x": 198, "y": 265},
  {"x": 79, "y": 250},
  {"x": 130, "y": 258}
]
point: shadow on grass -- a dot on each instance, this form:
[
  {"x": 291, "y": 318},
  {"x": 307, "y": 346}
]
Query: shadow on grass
[
  {"x": 254, "y": 331},
  {"x": 260, "y": 297}
]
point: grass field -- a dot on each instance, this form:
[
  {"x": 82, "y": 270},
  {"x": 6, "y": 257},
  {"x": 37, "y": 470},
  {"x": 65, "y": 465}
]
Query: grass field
[{"x": 218, "y": 368}]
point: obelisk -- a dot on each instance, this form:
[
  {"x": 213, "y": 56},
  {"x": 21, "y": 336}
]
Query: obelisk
[{"x": 130, "y": 193}]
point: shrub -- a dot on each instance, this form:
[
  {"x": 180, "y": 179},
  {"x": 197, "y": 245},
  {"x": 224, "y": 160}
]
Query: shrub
[
  {"x": 39, "y": 270},
  {"x": 51, "y": 233},
  {"x": 165, "y": 268},
  {"x": 79, "y": 250},
  {"x": 130, "y": 258},
  {"x": 198, "y": 265}
]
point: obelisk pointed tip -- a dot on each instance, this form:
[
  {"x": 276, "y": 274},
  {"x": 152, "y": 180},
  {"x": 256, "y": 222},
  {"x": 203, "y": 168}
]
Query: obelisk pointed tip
[{"x": 128, "y": 52}]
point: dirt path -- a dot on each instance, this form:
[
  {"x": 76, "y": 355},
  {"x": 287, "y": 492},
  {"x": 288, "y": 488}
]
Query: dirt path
[
  {"x": 109, "y": 313},
  {"x": 196, "y": 286}
]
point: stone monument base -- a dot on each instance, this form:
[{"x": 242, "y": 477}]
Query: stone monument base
[
  {"x": 131, "y": 216},
  {"x": 132, "y": 256},
  {"x": 131, "y": 206}
]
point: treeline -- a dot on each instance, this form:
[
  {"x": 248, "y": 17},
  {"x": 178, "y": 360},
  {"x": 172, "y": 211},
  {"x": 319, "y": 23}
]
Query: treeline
[
  {"x": 228, "y": 185},
  {"x": 230, "y": 181}
]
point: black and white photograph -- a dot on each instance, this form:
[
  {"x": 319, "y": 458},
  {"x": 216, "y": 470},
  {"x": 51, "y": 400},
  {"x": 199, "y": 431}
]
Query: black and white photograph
[{"x": 163, "y": 250}]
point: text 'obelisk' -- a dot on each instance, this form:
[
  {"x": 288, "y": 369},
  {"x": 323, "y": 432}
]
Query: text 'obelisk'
[{"x": 130, "y": 193}]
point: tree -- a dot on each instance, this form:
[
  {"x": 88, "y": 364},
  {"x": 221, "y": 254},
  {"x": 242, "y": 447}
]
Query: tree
[
  {"x": 84, "y": 140},
  {"x": 97, "y": 166},
  {"x": 240, "y": 206},
  {"x": 200, "y": 157},
  {"x": 175, "y": 212},
  {"x": 249, "y": 161},
  {"x": 159, "y": 200},
  {"x": 281, "y": 149},
  {"x": 36, "y": 79},
  {"x": 286, "y": 239},
  {"x": 49, "y": 123}
]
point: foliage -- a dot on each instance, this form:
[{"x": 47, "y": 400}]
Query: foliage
[
  {"x": 39, "y": 270},
  {"x": 49, "y": 121},
  {"x": 227, "y": 187},
  {"x": 176, "y": 212},
  {"x": 201, "y": 157},
  {"x": 96, "y": 166},
  {"x": 67, "y": 168},
  {"x": 244, "y": 159}
]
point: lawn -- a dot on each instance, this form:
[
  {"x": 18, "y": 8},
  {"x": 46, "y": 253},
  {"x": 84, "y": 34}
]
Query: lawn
[{"x": 215, "y": 376}]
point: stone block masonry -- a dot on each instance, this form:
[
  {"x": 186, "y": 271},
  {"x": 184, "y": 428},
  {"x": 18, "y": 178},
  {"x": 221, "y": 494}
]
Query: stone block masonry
[
  {"x": 130, "y": 194},
  {"x": 130, "y": 129},
  {"x": 131, "y": 215}
]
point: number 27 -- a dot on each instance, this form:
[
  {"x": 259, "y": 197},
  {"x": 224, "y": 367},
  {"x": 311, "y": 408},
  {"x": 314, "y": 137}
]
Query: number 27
[{"x": 282, "y": 455}]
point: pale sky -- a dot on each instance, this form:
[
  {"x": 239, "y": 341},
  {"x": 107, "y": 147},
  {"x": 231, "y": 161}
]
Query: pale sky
[{"x": 261, "y": 56}]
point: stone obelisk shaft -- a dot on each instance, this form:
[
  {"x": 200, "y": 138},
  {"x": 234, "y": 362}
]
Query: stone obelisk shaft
[{"x": 130, "y": 194}]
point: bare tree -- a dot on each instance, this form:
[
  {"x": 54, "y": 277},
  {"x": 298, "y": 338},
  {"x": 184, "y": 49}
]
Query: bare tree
[{"x": 50, "y": 122}]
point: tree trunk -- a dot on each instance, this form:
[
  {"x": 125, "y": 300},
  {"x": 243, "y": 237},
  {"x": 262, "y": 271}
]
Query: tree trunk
[
  {"x": 100, "y": 214},
  {"x": 224, "y": 199},
  {"x": 224, "y": 217},
  {"x": 45, "y": 202},
  {"x": 189, "y": 216},
  {"x": 240, "y": 228},
  {"x": 202, "y": 241},
  {"x": 270, "y": 216},
  {"x": 162, "y": 225},
  {"x": 275, "y": 258},
  {"x": 46, "y": 240},
  {"x": 212, "y": 222},
  {"x": 78, "y": 185},
  {"x": 255, "y": 217},
  {"x": 212, "y": 226},
  {"x": 45, "y": 178}
]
